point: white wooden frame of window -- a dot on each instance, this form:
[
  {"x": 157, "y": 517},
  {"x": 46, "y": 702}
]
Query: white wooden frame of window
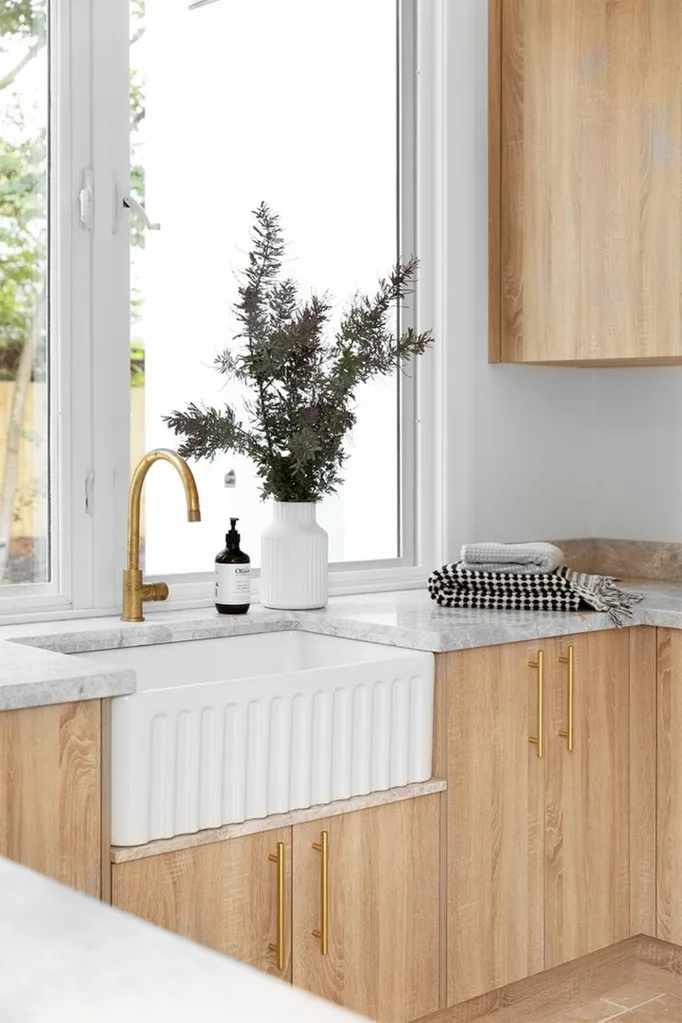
[
  {"x": 69, "y": 336},
  {"x": 91, "y": 395}
]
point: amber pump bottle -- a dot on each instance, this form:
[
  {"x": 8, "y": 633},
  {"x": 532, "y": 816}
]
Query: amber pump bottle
[{"x": 232, "y": 576}]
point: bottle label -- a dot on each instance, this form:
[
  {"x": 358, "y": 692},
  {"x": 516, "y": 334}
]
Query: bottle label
[{"x": 233, "y": 584}]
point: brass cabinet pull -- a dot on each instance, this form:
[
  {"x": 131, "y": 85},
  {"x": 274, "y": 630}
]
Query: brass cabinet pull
[
  {"x": 323, "y": 934},
  {"x": 570, "y": 661},
  {"x": 278, "y": 946},
  {"x": 539, "y": 665}
]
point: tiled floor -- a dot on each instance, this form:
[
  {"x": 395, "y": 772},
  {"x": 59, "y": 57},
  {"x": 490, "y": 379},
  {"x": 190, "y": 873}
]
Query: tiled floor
[{"x": 638, "y": 1002}]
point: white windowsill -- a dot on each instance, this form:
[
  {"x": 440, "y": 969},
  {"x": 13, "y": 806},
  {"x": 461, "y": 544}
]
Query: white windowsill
[{"x": 186, "y": 596}]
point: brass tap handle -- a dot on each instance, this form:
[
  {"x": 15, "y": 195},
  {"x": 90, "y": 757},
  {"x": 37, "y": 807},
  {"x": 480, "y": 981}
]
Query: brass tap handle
[
  {"x": 570, "y": 662},
  {"x": 539, "y": 666},
  {"x": 278, "y": 946},
  {"x": 323, "y": 934},
  {"x": 155, "y": 591}
]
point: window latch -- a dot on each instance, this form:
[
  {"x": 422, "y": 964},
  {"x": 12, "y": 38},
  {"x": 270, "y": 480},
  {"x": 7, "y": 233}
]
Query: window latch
[
  {"x": 138, "y": 209},
  {"x": 89, "y": 492},
  {"x": 85, "y": 199}
]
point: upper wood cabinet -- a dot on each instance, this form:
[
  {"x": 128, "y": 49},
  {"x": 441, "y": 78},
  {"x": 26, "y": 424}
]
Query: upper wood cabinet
[
  {"x": 50, "y": 791},
  {"x": 585, "y": 197},
  {"x": 379, "y": 903},
  {"x": 537, "y": 846}
]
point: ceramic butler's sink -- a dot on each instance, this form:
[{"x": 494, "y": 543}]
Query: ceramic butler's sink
[{"x": 224, "y": 730}]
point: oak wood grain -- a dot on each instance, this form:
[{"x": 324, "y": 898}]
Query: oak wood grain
[
  {"x": 495, "y": 834},
  {"x": 105, "y": 788},
  {"x": 50, "y": 791},
  {"x": 547, "y": 996},
  {"x": 440, "y": 760},
  {"x": 587, "y": 891},
  {"x": 643, "y": 660},
  {"x": 669, "y": 780},
  {"x": 591, "y": 190},
  {"x": 222, "y": 895},
  {"x": 494, "y": 178},
  {"x": 384, "y": 890}
]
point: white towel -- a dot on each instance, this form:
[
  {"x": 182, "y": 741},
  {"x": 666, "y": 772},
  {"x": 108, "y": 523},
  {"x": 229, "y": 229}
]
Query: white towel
[{"x": 517, "y": 558}]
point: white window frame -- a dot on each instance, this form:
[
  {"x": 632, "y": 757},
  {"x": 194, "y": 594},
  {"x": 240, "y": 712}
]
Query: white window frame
[
  {"x": 69, "y": 334},
  {"x": 91, "y": 394}
]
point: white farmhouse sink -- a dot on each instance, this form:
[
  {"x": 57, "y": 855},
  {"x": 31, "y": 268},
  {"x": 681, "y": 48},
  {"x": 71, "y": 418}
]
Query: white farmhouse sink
[{"x": 225, "y": 730}]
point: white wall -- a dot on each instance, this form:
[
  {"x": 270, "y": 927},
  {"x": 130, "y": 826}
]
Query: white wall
[
  {"x": 637, "y": 453},
  {"x": 536, "y": 451}
]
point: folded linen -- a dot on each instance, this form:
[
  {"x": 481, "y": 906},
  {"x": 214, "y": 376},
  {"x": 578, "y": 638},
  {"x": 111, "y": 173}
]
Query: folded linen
[
  {"x": 563, "y": 590},
  {"x": 519, "y": 558}
]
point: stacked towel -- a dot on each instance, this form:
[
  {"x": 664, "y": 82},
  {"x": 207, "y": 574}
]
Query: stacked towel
[
  {"x": 517, "y": 558},
  {"x": 562, "y": 590}
]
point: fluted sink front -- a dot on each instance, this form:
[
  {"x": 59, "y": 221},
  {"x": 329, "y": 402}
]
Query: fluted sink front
[{"x": 225, "y": 730}]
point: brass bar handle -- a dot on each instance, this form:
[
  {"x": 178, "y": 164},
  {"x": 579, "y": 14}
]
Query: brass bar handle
[
  {"x": 323, "y": 934},
  {"x": 278, "y": 946},
  {"x": 539, "y": 666},
  {"x": 570, "y": 662}
]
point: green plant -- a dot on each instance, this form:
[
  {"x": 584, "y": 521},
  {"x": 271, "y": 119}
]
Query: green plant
[
  {"x": 302, "y": 384},
  {"x": 136, "y": 363}
]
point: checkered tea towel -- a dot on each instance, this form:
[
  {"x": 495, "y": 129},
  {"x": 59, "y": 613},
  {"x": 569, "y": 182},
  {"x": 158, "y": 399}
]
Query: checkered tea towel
[{"x": 562, "y": 590}]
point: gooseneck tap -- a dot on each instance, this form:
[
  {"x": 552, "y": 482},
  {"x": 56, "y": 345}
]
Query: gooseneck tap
[{"x": 135, "y": 590}]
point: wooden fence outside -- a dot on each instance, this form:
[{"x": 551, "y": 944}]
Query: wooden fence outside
[{"x": 31, "y": 512}]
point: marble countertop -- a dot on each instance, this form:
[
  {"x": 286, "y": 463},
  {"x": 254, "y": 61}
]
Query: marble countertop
[
  {"x": 35, "y": 669},
  {"x": 67, "y": 958}
]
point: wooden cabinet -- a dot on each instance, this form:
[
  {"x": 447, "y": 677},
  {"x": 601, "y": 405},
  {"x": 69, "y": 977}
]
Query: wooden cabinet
[
  {"x": 585, "y": 208},
  {"x": 537, "y": 847},
  {"x": 50, "y": 791},
  {"x": 587, "y": 835},
  {"x": 383, "y": 894},
  {"x": 495, "y": 844},
  {"x": 225, "y": 895},
  {"x": 669, "y": 784}
]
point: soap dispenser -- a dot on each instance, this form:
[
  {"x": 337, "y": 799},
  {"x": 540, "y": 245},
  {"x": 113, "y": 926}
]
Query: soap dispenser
[{"x": 232, "y": 576}]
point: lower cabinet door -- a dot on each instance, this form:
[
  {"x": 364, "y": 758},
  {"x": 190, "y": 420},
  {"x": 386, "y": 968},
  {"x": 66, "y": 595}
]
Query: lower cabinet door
[
  {"x": 587, "y": 894},
  {"x": 495, "y": 700},
  {"x": 669, "y": 787},
  {"x": 229, "y": 895},
  {"x": 366, "y": 909},
  {"x": 50, "y": 791}
]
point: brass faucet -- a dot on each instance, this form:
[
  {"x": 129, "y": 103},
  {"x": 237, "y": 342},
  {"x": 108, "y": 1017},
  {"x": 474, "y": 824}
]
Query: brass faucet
[{"x": 135, "y": 590}]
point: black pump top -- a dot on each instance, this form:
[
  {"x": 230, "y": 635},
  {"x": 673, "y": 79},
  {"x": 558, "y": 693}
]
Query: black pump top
[{"x": 232, "y": 538}]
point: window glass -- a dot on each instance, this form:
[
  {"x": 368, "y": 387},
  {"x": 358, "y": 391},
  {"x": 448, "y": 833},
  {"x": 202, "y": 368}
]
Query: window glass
[
  {"x": 291, "y": 102},
  {"x": 24, "y": 300}
]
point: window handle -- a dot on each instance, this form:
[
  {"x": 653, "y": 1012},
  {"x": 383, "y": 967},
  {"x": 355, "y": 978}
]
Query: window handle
[{"x": 138, "y": 209}]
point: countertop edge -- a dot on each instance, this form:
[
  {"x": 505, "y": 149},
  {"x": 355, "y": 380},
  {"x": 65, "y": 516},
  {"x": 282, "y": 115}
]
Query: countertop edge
[{"x": 406, "y": 619}]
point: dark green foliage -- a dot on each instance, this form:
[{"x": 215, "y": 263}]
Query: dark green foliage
[{"x": 303, "y": 385}]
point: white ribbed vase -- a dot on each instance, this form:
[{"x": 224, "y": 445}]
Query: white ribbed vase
[{"x": 294, "y": 569}]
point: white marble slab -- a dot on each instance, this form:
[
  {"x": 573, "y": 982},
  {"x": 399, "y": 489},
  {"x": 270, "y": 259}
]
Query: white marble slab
[
  {"x": 67, "y": 958},
  {"x": 122, "y": 854},
  {"x": 35, "y": 678},
  {"x": 34, "y": 670}
]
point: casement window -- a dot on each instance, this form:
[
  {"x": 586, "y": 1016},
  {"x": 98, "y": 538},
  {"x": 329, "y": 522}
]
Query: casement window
[{"x": 196, "y": 113}]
